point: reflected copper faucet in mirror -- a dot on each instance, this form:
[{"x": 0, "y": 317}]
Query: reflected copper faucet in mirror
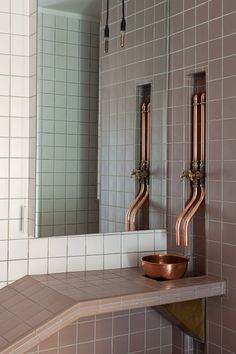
[{"x": 142, "y": 173}]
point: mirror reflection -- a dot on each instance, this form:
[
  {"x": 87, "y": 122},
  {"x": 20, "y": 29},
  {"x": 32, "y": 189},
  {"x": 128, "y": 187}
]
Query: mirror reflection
[{"x": 101, "y": 119}]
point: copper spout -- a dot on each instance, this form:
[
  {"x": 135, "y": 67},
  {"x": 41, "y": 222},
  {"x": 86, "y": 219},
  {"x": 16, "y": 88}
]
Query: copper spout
[
  {"x": 139, "y": 206},
  {"x": 191, "y": 214},
  {"x": 129, "y": 211},
  {"x": 182, "y": 215}
]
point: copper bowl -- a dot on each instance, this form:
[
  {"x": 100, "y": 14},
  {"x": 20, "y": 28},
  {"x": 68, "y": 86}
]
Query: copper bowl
[{"x": 165, "y": 266}]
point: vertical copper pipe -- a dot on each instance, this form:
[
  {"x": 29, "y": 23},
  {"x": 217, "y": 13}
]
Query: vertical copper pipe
[
  {"x": 139, "y": 205},
  {"x": 182, "y": 215},
  {"x": 143, "y": 133},
  {"x": 203, "y": 126},
  {"x": 148, "y": 131},
  {"x": 195, "y": 149}
]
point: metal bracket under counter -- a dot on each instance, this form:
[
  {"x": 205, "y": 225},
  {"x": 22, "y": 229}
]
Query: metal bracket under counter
[{"x": 39, "y": 306}]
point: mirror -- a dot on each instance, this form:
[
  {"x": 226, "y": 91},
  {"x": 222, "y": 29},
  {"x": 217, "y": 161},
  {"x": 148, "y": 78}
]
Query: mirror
[{"x": 90, "y": 132}]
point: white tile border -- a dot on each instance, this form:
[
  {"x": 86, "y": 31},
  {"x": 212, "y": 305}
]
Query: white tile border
[{"x": 80, "y": 252}]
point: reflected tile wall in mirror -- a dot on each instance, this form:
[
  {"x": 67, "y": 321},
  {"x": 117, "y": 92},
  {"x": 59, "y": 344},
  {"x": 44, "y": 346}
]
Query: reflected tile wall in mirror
[
  {"x": 85, "y": 157},
  {"x": 67, "y": 124}
]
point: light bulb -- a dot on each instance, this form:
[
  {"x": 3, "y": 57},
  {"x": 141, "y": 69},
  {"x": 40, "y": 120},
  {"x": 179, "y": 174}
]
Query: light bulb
[
  {"x": 106, "y": 45},
  {"x": 106, "y": 39}
]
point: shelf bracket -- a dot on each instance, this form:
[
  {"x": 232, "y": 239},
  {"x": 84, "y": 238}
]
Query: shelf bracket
[{"x": 189, "y": 316}]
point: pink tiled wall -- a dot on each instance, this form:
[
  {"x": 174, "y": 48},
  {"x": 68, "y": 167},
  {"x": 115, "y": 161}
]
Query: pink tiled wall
[
  {"x": 137, "y": 331},
  {"x": 202, "y": 38}
]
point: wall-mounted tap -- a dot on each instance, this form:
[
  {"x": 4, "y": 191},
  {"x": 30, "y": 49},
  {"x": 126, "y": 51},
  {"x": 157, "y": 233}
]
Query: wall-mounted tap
[
  {"x": 140, "y": 174},
  {"x": 187, "y": 174},
  {"x": 143, "y": 172},
  {"x": 197, "y": 174},
  {"x": 193, "y": 176}
]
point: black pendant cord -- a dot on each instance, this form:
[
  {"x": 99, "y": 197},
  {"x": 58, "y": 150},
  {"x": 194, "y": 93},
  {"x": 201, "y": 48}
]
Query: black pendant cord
[
  {"x": 108, "y": 8},
  {"x": 123, "y": 26},
  {"x": 107, "y": 31}
]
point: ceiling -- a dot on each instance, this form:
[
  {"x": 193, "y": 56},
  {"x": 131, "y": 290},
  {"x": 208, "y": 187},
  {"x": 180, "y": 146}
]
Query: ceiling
[{"x": 85, "y": 7}]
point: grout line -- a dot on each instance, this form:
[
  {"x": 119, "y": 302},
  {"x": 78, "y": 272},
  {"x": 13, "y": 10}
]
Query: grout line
[{"x": 9, "y": 164}]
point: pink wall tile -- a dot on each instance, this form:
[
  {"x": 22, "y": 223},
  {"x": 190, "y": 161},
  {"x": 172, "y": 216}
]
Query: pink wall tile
[
  {"x": 67, "y": 336},
  {"x": 103, "y": 346},
  {"x": 209, "y": 37},
  {"x": 85, "y": 331},
  {"x": 121, "y": 345},
  {"x": 104, "y": 328},
  {"x": 86, "y": 348},
  {"x": 137, "y": 342},
  {"x": 51, "y": 342},
  {"x": 137, "y": 322},
  {"x": 153, "y": 338},
  {"x": 120, "y": 325}
]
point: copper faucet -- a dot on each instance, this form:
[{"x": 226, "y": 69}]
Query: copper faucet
[
  {"x": 141, "y": 173},
  {"x": 197, "y": 174}
]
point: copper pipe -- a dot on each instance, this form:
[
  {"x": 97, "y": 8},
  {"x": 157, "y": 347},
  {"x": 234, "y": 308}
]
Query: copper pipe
[
  {"x": 147, "y": 151},
  {"x": 182, "y": 215},
  {"x": 191, "y": 214},
  {"x": 195, "y": 149},
  {"x": 148, "y": 131},
  {"x": 139, "y": 205},
  {"x": 194, "y": 167},
  {"x": 143, "y": 136},
  {"x": 203, "y": 126},
  {"x": 129, "y": 211},
  {"x": 202, "y": 195},
  {"x": 143, "y": 157}
]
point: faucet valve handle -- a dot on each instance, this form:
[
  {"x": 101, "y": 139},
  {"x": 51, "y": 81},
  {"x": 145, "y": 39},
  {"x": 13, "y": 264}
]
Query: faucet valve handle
[
  {"x": 193, "y": 176},
  {"x": 186, "y": 174},
  {"x": 140, "y": 174},
  {"x": 134, "y": 172}
]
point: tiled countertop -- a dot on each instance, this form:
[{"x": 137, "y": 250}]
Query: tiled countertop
[{"x": 35, "y": 307}]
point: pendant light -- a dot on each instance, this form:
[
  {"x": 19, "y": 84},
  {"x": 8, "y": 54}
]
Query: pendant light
[{"x": 106, "y": 31}]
